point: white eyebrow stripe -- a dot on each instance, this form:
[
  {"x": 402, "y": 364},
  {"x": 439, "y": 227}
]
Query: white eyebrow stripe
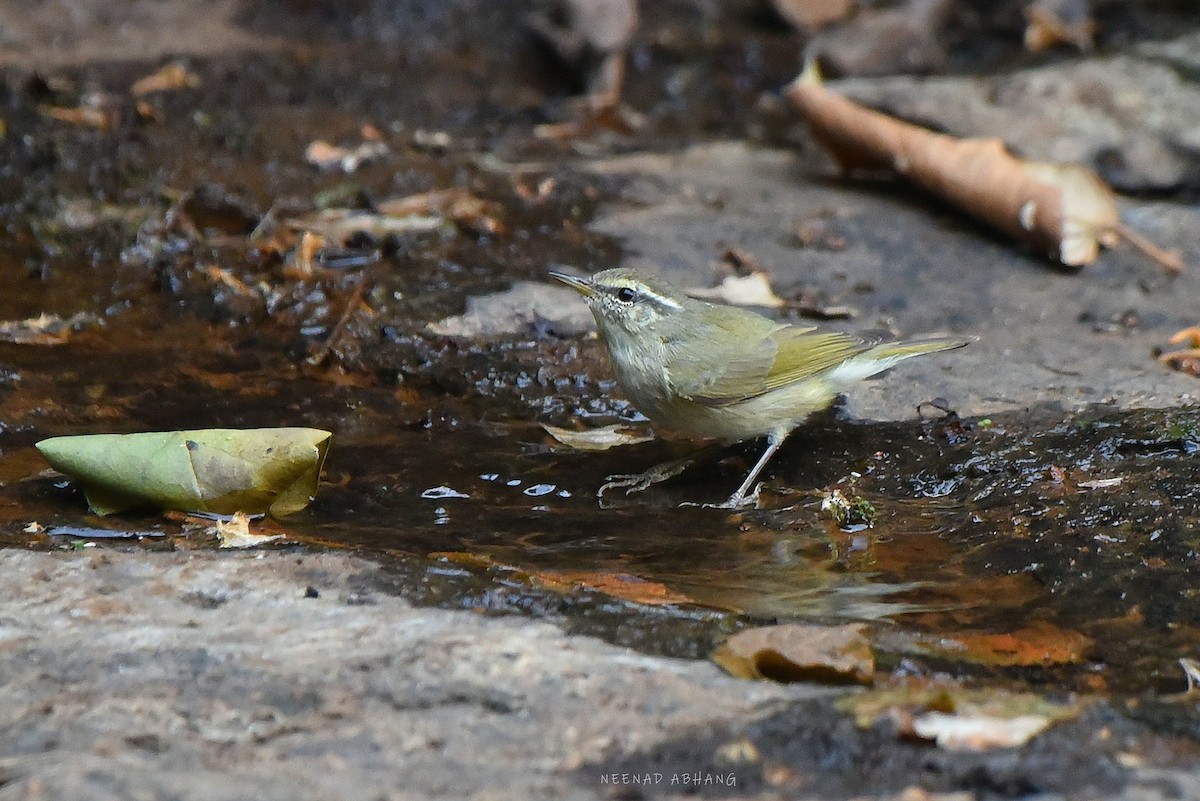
[{"x": 661, "y": 300}]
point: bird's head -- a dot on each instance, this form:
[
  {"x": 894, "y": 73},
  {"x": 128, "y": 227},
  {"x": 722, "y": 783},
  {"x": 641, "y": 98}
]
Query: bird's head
[{"x": 626, "y": 303}]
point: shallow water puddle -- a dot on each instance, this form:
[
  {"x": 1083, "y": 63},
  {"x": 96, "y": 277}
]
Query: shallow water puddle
[
  {"x": 1043, "y": 550},
  {"x": 1063, "y": 553}
]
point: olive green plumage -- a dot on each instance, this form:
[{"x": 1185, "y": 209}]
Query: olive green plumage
[{"x": 722, "y": 371}]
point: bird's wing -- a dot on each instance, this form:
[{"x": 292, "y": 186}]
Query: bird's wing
[
  {"x": 739, "y": 358},
  {"x": 802, "y": 354}
]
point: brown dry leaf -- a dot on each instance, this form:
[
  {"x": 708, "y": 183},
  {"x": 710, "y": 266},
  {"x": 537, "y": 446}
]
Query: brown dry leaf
[
  {"x": 339, "y": 225},
  {"x": 146, "y": 111},
  {"x": 459, "y": 205},
  {"x": 800, "y": 652},
  {"x": 329, "y": 157},
  {"x": 618, "y": 585},
  {"x": 355, "y": 304},
  {"x": 809, "y": 15},
  {"x": 240, "y": 383},
  {"x": 598, "y": 439},
  {"x": 169, "y": 77},
  {"x": 222, "y": 276},
  {"x": 101, "y": 117},
  {"x": 45, "y": 329},
  {"x": 610, "y": 582},
  {"x": 1054, "y": 22},
  {"x": 305, "y": 257},
  {"x": 1189, "y": 336},
  {"x": 1186, "y": 360},
  {"x": 235, "y": 533},
  {"x": 742, "y": 290},
  {"x": 1064, "y": 210}
]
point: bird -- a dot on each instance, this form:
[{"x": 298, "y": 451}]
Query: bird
[{"x": 725, "y": 372}]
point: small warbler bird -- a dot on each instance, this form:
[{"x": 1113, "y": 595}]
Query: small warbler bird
[{"x": 722, "y": 371}]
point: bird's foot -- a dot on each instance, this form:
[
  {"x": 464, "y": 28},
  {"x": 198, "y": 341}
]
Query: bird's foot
[
  {"x": 741, "y": 500},
  {"x": 636, "y": 482}
]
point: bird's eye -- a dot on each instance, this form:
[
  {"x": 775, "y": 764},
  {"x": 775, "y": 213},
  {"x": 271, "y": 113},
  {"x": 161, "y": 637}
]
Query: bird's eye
[{"x": 626, "y": 294}]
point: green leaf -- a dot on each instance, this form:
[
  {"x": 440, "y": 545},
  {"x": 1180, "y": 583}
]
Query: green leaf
[{"x": 216, "y": 470}]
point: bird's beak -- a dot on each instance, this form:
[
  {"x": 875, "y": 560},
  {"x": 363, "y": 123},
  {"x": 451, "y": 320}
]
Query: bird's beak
[{"x": 583, "y": 286}]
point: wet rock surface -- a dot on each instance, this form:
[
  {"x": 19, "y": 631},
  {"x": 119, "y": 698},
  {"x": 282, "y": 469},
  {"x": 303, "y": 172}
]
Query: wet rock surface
[
  {"x": 293, "y": 676},
  {"x": 128, "y": 672},
  {"x": 1047, "y": 337}
]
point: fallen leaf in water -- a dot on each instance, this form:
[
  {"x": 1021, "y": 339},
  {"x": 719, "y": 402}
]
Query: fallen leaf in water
[
  {"x": 82, "y": 214},
  {"x": 101, "y": 116},
  {"x": 459, "y": 205},
  {"x": 598, "y": 439},
  {"x": 618, "y": 585},
  {"x": 223, "y": 471},
  {"x": 1064, "y": 210},
  {"x": 235, "y": 533},
  {"x": 742, "y": 290},
  {"x": 340, "y": 225},
  {"x": 1102, "y": 483},
  {"x": 237, "y": 383},
  {"x": 956, "y": 717},
  {"x": 797, "y": 652},
  {"x": 45, "y": 329},
  {"x": 305, "y": 257},
  {"x": 329, "y": 157},
  {"x": 168, "y": 77},
  {"x": 475, "y": 561},
  {"x": 224, "y": 277},
  {"x": 1037, "y": 644}
]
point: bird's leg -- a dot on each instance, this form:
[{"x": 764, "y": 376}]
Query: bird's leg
[
  {"x": 743, "y": 496},
  {"x": 636, "y": 482}
]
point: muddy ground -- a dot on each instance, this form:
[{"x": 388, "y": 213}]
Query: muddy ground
[{"x": 413, "y": 644}]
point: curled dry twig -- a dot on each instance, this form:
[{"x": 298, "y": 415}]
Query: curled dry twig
[{"x": 1061, "y": 209}]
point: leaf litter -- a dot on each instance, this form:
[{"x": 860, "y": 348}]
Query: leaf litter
[
  {"x": 221, "y": 471},
  {"x": 1063, "y": 210},
  {"x": 601, "y": 438},
  {"x": 793, "y": 652}
]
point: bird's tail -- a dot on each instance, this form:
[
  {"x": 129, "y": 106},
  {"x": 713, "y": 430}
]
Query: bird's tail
[
  {"x": 882, "y": 357},
  {"x": 915, "y": 347}
]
